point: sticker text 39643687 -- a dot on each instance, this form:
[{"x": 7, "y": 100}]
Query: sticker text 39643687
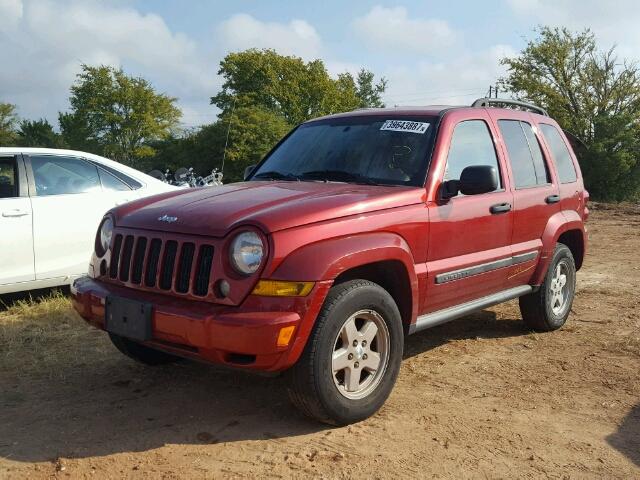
[{"x": 405, "y": 126}]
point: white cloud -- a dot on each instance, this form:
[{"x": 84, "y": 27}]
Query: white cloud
[
  {"x": 612, "y": 22},
  {"x": 242, "y": 31},
  {"x": 453, "y": 82},
  {"x": 10, "y": 14},
  {"x": 58, "y": 36},
  {"x": 392, "y": 29}
]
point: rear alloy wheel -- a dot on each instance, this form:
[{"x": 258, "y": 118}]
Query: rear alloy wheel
[
  {"x": 548, "y": 307},
  {"x": 352, "y": 357}
]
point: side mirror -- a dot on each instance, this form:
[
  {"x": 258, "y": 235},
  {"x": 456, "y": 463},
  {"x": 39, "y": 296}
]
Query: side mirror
[
  {"x": 248, "y": 171},
  {"x": 474, "y": 180},
  {"x": 478, "y": 179}
]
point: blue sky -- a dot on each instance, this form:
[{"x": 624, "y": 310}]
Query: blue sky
[{"x": 430, "y": 51}]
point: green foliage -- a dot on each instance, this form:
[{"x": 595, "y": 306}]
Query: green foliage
[
  {"x": 253, "y": 132},
  {"x": 369, "y": 93},
  {"x": 119, "y": 114},
  {"x": 292, "y": 88},
  {"x": 265, "y": 95},
  {"x": 38, "y": 133},
  {"x": 591, "y": 94},
  {"x": 8, "y": 121}
]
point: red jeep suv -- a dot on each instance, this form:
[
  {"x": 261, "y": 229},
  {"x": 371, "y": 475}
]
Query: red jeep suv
[{"x": 355, "y": 230}]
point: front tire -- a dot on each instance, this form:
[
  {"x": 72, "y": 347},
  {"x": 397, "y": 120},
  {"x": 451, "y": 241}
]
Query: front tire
[
  {"x": 352, "y": 357},
  {"x": 547, "y": 308},
  {"x": 141, "y": 353}
]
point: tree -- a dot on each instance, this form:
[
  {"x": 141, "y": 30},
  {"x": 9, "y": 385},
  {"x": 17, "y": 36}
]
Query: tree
[
  {"x": 591, "y": 94},
  {"x": 290, "y": 87},
  {"x": 370, "y": 93},
  {"x": 265, "y": 95},
  {"x": 253, "y": 131},
  {"x": 8, "y": 120},
  {"x": 38, "y": 133},
  {"x": 119, "y": 114}
]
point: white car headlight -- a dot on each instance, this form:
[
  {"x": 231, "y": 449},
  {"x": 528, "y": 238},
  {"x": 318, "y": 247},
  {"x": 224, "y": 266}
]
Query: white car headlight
[
  {"x": 104, "y": 236},
  {"x": 246, "y": 252}
]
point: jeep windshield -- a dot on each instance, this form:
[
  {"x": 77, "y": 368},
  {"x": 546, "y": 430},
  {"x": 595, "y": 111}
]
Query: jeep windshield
[{"x": 368, "y": 150}]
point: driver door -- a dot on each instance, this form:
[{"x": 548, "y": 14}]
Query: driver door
[{"x": 470, "y": 236}]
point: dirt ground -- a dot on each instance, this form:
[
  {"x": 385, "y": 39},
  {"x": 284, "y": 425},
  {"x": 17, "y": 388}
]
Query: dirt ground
[{"x": 479, "y": 397}]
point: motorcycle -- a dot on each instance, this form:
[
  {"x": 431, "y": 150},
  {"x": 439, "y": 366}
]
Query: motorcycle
[{"x": 186, "y": 178}]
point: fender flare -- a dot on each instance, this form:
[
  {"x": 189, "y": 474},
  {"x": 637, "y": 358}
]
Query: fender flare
[
  {"x": 559, "y": 223},
  {"x": 325, "y": 260}
]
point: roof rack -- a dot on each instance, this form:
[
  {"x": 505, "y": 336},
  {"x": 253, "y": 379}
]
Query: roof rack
[{"x": 487, "y": 102}]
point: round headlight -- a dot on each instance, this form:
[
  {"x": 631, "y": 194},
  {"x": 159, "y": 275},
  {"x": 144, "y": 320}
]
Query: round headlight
[
  {"x": 246, "y": 252},
  {"x": 104, "y": 236}
]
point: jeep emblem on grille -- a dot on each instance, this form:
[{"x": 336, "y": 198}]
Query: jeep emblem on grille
[{"x": 167, "y": 218}]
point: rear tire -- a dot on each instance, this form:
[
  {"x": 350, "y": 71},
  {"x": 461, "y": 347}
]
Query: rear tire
[
  {"x": 352, "y": 357},
  {"x": 141, "y": 353},
  {"x": 547, "y": 308}
]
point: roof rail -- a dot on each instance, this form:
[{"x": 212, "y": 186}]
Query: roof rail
[{"x": 487, "y": 102}]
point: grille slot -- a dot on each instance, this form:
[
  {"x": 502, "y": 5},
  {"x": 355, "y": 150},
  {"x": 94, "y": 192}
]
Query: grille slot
[
  {"x": 138, "y": 260},
  {"x": 168, "y": 264},
  {"x": 125, "y": 260},
  {"x": 152, "y": 262},
  {"x": 115, "y": 257},
  {"x": 184, "y": 267},
  {"x": 203, "y": 271}
]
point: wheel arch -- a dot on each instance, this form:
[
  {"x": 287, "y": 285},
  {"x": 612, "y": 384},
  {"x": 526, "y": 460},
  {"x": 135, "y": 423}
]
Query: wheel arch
[
  {"x": 381, "y": 257},
  {"x": 565, "y": 227}
]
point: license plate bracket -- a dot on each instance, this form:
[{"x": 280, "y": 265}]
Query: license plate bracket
[{"x": 128, "y": 318}]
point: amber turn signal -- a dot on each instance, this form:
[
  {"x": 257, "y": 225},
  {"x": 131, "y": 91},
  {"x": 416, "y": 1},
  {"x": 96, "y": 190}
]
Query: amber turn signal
[
  {"x": 277, "y": 288},
  {"x": 284, "y": 337}
]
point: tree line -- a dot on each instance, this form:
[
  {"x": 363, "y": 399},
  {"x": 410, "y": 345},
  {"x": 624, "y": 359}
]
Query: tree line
[{"x": 593, "y": 94}]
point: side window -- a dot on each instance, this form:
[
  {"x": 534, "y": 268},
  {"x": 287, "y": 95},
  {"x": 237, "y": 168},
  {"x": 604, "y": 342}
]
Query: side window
[
  {"x": 8, "y": 178},
  {"x": 525, "y": 155},
  {"x": 471, "y": 144},
  {"x": 111, "y": 183},
  {"x": 130, "y": 182},
  {"x": 560, "y": 152},
  {"x": 542, "y": 170},
  {"x": 58, "y": 175}
]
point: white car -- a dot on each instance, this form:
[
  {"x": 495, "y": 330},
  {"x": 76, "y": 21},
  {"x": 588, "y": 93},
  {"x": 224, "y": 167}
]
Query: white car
[{"x": 51, "y": 202}]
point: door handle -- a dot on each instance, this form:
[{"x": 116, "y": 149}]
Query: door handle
[
  {"x": 500, "y": 208},
  {"x": 122, "y": 201},
  {"x": 15, "y": 213},
  {"x": 552, "y": 199}
]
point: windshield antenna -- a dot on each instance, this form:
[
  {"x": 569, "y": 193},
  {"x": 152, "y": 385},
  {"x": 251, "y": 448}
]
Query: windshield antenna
[{"x": 226, "y": 141}]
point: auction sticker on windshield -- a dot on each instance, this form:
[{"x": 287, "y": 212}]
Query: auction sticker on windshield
[{"x": 405, "y": 126}]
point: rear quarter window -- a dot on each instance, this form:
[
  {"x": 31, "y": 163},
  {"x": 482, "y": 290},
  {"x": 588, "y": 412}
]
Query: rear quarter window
[{"x": 560, "y": 153}]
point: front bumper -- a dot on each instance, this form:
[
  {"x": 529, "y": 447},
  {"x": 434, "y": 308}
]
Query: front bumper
[{"x": 244, "y": 336}]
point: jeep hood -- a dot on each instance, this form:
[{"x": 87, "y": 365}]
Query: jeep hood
[{"x": 270, "y": 205}]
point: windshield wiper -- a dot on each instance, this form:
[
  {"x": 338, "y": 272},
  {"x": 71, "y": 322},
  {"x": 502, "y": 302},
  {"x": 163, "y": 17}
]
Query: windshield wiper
[
  {"x": 275, "y": 175},
  {"x": 338, "y": 176}
]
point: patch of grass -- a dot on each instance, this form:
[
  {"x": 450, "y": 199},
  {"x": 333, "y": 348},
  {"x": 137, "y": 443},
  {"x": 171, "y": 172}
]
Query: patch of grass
[{"x": 46, "y": 337}]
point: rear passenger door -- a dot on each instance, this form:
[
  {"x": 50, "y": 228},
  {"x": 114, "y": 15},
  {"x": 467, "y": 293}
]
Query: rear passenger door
[
  {"x": 570, "y": 189},
  {"x": 536, "y": 194}
]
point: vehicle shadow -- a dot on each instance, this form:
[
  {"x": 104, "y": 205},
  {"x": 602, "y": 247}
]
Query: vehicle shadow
[
  {"x": 110, "y": 404},
  {"x": 482, "y": 324},
  {"x": 627, "y": 439}
]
